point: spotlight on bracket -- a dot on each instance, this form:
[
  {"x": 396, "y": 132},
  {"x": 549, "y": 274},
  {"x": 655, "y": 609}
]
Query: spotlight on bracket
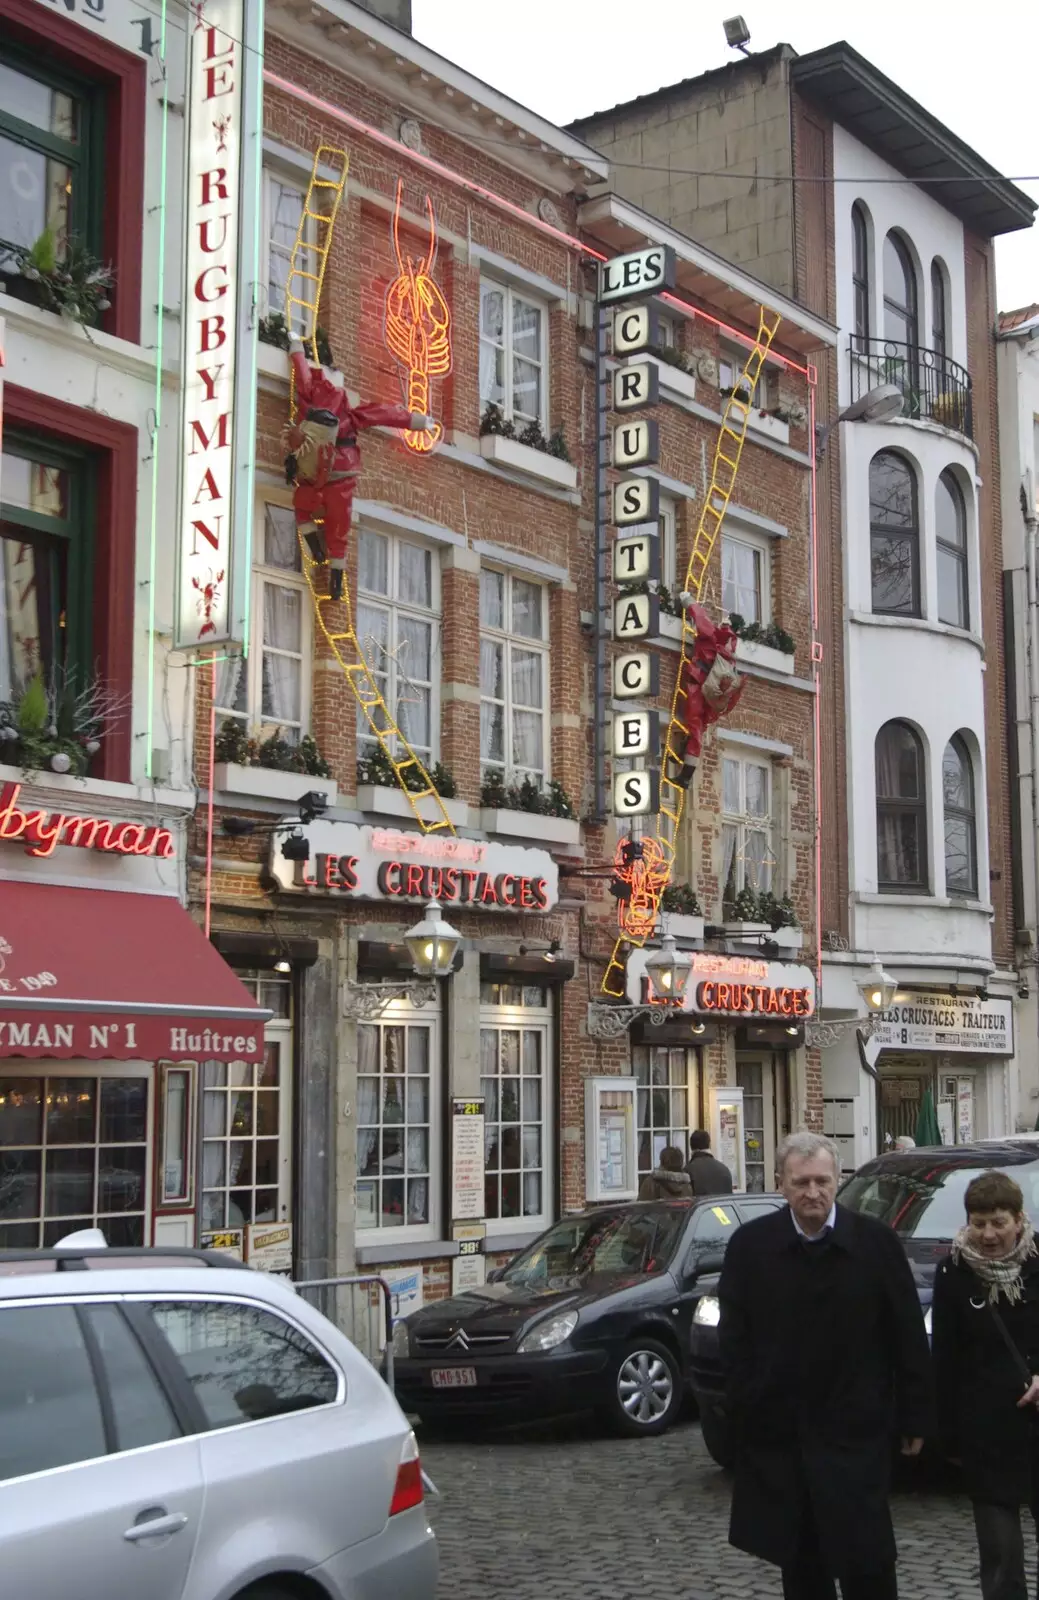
[
  {"x": 312, "y": 804},
  {"x": 296, "y": 846}
]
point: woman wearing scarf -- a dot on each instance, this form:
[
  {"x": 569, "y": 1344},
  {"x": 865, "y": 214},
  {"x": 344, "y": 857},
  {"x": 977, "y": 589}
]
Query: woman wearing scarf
[{"x": 985, "y": 1339}]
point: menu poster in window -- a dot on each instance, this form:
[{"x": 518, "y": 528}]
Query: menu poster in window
[
  {"x": 467, "y": 1159},
  {"x": 270, "y": 1246},
  {"x": 227, "y": 1241},
  {"x": 469, "y": 1266},
  {"x": 613, "y": 1143}
]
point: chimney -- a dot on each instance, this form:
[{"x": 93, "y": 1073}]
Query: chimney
[{"x": 398, "y": 12}]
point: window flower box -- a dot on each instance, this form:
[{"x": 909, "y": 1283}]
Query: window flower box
[
  {"x": 533, "y": 463},
  {"x": 272, "y": 362},
  {"x": 265, "y": 783},
  {"x": 531, "y": 825},
  {"x": 788, "y": 938},
  {"x": 673, "y": 380},
  {"x": 744, "y": 932},
  {"x": 772, "y": 427},
  {"x": 682, "y": 926},
  {"x": 383, "y": 801},
  {"x": 763, "y": 655}
]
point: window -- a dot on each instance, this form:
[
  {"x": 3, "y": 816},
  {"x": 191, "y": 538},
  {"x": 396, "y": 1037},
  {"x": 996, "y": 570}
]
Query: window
[
  {"x": 270, "y": 690},
  {"x": 714, "y": 1224},
  {"x": 73, "y": 1154},
  {"x": 860, "y": 275},
  {"x": 46, "y": 562},
  {"x": 667, "y": 330},
  {"x": 243, "y": 1362},
  {"x": 283, "y": 202},
  {"x": 141, "y": 1413},
  {"x": 961, "y": 850},
  {"x": 515, "y": 1046},
  {"x": 939, "y": 310},
  {"x": 246, "y": 1121},
  {"x": 667, "y": 527},
  {"x": 49, "y": 136},
  {"x": 397, "y": 616},
  {"x": 894, "y": 536},
  {"x": 745, "y": 579},
  {"x": 900, "y": 297},
  {"x": 513, "y": 354},
  {"x": 732, "y": 358},
  {"x": 396, "y": 1124},
  {"x": 747, "y": 858},
  {"x": 668, "y": 1102},
  {"x": 513, "y": 676},
  {"x": 50, "y": 1413},
  {"x": 901, "y": 815},
  {"x": 950, "y": 516}
]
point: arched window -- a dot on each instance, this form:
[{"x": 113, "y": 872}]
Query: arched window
[
  {"x": 901, "y": 811},
  {"x": 894, "y": 535},
  {"x": 961, "y": 845},
  {"x": 901, "y": 322},
  {"x": 950, "y": 519},
  {"x": 939, "y": 311},
  {"x": 860, "y": 274}
]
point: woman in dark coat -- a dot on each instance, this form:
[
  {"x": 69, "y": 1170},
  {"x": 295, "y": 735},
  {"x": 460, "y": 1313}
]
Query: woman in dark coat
[{"x": 985, "y": 1333}]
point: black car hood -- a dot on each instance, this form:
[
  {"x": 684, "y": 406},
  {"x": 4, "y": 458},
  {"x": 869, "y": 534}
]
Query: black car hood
[{"x": 505, "y": 1307}]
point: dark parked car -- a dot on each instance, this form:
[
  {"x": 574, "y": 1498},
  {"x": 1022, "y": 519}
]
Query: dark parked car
[
  {"x": 595, "y": 1314},
  {"x": 919, "y": 1193}
]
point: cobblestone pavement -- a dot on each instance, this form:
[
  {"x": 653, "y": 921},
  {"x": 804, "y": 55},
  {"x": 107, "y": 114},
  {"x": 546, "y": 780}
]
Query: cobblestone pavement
[{"x": 568, "y": 1513}]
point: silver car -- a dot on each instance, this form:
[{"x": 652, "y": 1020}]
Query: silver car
[{"x": 183, "y": 1430}]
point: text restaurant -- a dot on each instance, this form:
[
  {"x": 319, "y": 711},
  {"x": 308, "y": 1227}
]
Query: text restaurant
[{"x": 111, "y": 998}]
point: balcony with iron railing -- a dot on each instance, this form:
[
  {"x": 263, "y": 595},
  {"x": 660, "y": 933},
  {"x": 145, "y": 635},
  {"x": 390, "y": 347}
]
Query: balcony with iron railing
[{"x": 935, "y": 389}]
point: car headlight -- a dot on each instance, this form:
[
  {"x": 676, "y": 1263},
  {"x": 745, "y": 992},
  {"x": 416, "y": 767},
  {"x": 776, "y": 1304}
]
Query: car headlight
[
  {"x": 548, "y": 1334},
  {"x": 927, "y": 1322},
  {"x": 400, "y": 1338},
  {"x": 708, "y": 1311}
]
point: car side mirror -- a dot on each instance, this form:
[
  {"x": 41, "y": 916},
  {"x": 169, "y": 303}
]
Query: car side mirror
[
  {"x": 706, "y": 1261},
  {"x": 496, "y": 1274}
]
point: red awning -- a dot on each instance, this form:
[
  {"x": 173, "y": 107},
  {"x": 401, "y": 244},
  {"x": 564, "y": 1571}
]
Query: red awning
[{"x": 97, "y": 975}]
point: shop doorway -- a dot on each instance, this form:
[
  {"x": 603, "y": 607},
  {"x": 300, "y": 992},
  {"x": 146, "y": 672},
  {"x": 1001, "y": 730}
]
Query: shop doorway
[
  {"x": 766, "y": 1114},
  {"x": 74, "y": 1153},
  {"x": 903, "y": 1085},
  {"x": 669, "y": 1103}
]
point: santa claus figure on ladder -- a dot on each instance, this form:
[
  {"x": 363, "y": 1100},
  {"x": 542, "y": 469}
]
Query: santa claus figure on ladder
[
  {"x": 323, "y": 459},
  {"x": 709, "y": 686}
]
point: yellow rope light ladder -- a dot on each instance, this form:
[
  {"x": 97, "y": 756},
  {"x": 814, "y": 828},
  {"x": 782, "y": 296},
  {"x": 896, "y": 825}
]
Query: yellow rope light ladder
[
  {"x": 335, "y": 617},
  {"x": 727, "y": 455}
]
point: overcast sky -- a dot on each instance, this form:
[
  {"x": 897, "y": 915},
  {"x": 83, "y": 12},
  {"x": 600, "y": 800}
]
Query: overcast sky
[{"x": 974, "y": 67}]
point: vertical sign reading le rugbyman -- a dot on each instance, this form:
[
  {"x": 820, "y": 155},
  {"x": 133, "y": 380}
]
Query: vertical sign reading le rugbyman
[
  {"x": 215, "y": 141},
  {"x": 635, "y": 506}
]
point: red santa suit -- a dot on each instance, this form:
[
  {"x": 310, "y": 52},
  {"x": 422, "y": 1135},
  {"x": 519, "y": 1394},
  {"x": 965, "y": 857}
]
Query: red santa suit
[
  {"x": 324, "y": 460},
  {"x": 710, "y": 685}
]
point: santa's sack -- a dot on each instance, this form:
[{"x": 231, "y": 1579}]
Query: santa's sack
[{"x": 722, "y": 686}]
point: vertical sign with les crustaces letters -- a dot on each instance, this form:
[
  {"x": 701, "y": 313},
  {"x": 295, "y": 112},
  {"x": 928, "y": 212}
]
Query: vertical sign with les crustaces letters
[
  {"x": 223, "y": 113},
  {"x": 636, "y": 508}
]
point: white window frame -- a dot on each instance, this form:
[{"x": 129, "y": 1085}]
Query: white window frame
[
  {"x": 396, "y": 609},
  {"x": 732, "y": 358},
  {"x": 295, "y": 180},
  {"x": 511, "y": 294},
  {"x": 521, "y": 641},
  {"x": 668, "y": 526},
  {"x": 539, "y": 1019},
  {"x": 762, "y": 547},
  {"x": 402, "y": 1015},
  {"x": 743, "y": 822},
  {"x": 258, "y": 726},
  {"x": 668, "y": 328}
]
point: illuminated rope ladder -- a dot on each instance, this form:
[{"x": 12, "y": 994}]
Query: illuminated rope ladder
[
  {"x": 309, "y": 261},
  {"x": 727, "y": 455}
]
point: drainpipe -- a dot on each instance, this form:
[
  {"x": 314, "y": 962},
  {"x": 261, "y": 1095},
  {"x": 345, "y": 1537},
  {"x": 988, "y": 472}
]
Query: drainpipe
[{"x": 1032, "y": 651}]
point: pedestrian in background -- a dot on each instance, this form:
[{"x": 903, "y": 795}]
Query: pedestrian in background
[
  {"x": 707, "y": 1174},
  {"x": 668, "y": 1181},
  {"x": 826, "y": 1361},
  {"x": 985, "y": 1322}
]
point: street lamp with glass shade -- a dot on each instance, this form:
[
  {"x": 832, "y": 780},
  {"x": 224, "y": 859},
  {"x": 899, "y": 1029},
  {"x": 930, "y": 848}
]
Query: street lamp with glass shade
[
  {"x": 879, "y": 404},
  {"x": 879, "y": 988},
  {"x": 667, "y": 971},
  {"x": 432, "y": 944}
]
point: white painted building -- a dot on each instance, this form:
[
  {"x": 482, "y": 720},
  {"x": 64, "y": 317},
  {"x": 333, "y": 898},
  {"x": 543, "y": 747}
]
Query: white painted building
[
  {"x": 1017, "y": 357},
  {"x": 918, "y": 645}
]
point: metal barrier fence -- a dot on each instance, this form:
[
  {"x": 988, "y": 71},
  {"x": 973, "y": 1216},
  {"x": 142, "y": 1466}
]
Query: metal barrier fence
[{"x": 362, "y": 1308}]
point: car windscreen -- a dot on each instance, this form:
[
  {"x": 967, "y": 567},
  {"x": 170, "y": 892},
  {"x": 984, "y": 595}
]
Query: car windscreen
[
  {"x": 924, "y": 1200},
  {"x": 621, "y": 1241}
]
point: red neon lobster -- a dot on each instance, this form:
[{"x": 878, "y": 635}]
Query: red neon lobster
[
  {"x": 418, "y": 326},
  {"x": 645, "y": 877}
]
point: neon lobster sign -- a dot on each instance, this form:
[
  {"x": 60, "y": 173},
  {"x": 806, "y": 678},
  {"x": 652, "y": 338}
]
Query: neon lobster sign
[
  {"x": 418, "y": 326},
  {"x": 640, "y": 876}
]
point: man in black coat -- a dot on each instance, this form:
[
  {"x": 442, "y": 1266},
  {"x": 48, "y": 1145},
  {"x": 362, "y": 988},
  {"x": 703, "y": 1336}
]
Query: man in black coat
[
  {"x": 826, "y": 1361},
  {"x": 707, "y": 1174}
]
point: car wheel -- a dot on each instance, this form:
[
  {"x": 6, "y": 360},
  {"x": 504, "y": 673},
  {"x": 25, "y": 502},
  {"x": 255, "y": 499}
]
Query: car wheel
[
  {"x": 717, "y": 1436},
  {"x": 646, "y": 1391}
]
